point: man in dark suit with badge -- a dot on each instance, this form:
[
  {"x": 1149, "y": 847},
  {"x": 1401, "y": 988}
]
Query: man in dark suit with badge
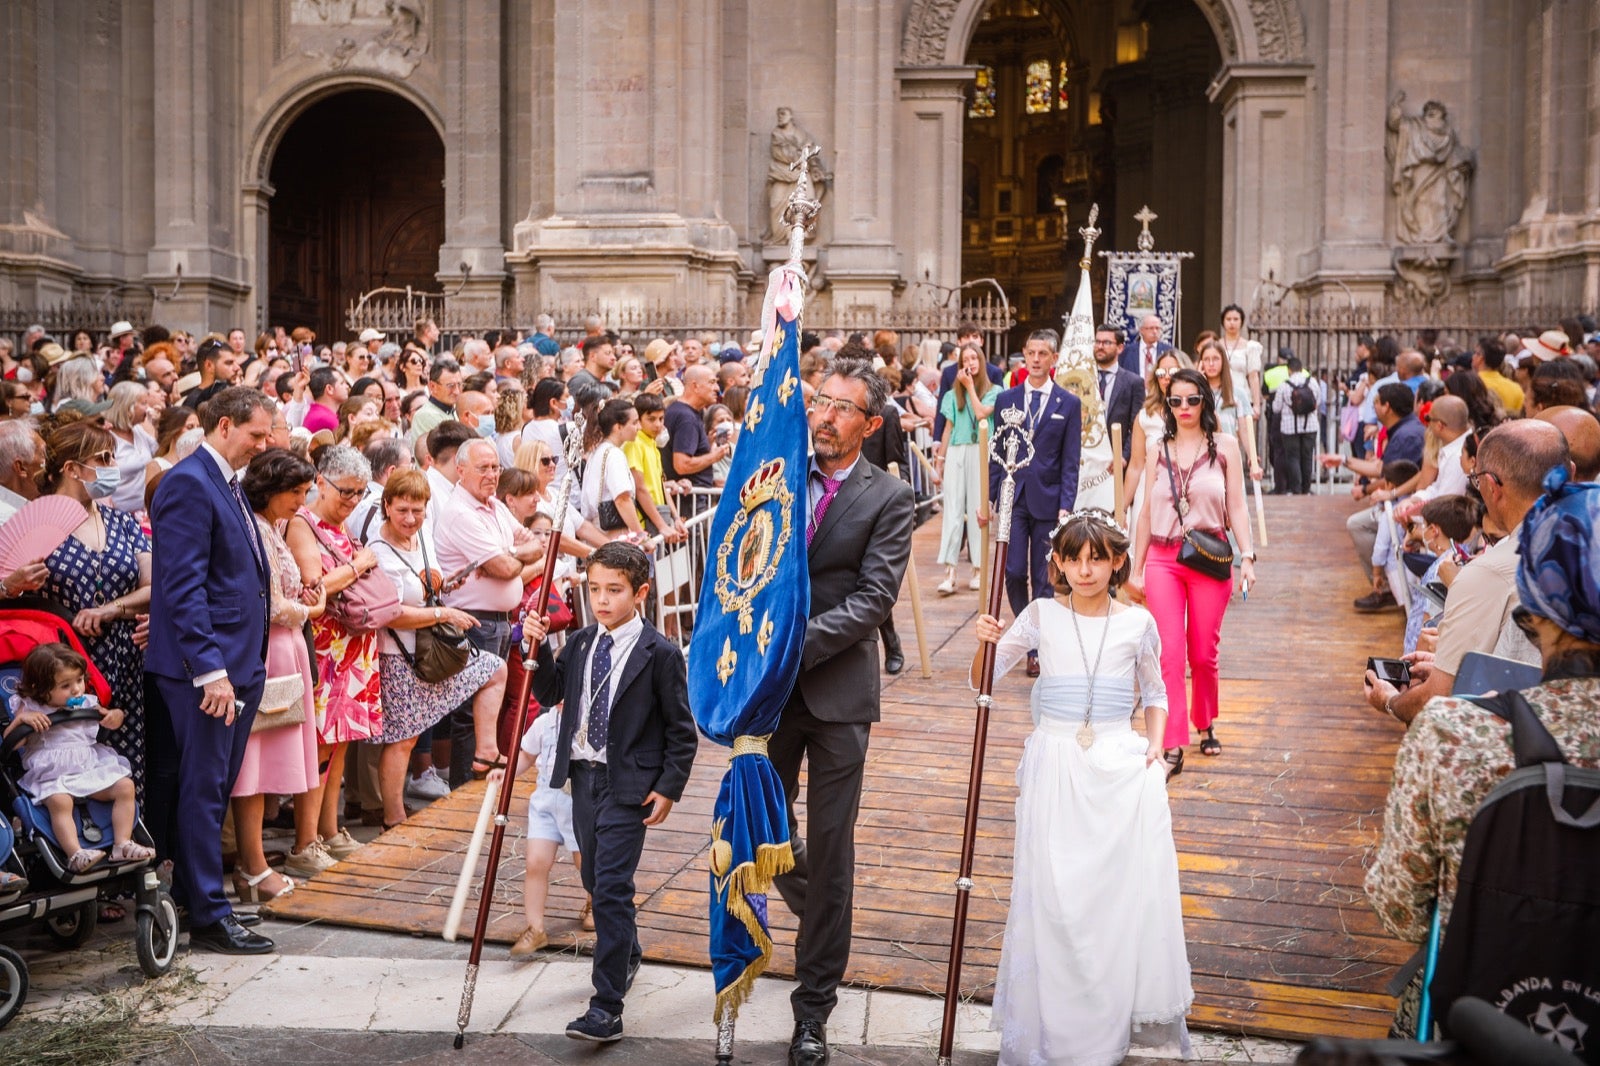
[
  {"x": 209, "y": 605},
  {"x": 1121, "y": 390},
  {"x": 1047, "y": 487},
  {"x": 858, "y": 539}
]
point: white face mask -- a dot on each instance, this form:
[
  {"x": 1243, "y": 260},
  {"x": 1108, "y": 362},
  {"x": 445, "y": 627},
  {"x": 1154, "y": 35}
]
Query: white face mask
[
  {"x": 36, "y": 408},
  {"x": 663, "y": 438},
  {"x": 24, "y": 374}
]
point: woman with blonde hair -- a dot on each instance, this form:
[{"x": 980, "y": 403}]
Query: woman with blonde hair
[
  {"x": 129, "y": 421},
  {"x": 510, "y": 414},
  {"x": 1152, "y": 426}
]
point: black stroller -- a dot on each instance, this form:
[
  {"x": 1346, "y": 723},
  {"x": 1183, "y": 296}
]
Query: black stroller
[{"x": 41, "y": 887}]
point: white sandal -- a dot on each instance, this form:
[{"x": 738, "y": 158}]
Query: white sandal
[
  {"x": 948, "y": 585},
  {"x": 249, "y": 890}
]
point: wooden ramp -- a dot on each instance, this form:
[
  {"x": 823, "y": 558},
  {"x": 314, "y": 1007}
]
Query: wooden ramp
[{"x": 1273, "y": 836}]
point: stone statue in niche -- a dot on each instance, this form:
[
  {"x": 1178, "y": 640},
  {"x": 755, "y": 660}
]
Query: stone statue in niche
[
  {"x": 387, "y": 35},
  {"x": 788, "y": 145},
  {"x": 1430, "y": 173}
]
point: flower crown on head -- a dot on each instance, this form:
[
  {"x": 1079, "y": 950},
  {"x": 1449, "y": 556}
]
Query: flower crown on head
[{"x": 1096, "y": 515}]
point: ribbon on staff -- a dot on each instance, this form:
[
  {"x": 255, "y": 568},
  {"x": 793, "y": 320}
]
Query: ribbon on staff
[{"x": 748, "y": 638}]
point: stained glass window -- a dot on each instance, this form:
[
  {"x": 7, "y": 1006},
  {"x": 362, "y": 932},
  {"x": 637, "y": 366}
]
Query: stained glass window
[
  {"x": 1061, "y": 93},
  {"x": 982, "y": 94},
  {"x": 1038, "y": 98}
]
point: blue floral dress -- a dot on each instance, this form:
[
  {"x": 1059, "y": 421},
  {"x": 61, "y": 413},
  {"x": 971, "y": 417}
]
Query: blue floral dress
[{"x": 81, "y": 578}]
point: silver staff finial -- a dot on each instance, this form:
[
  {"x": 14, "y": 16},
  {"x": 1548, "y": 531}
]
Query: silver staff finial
[
  {"x": 1146, "y": 216},
  {"x": 800, "y": 212},
  {"x": 1090, "y": 233}
]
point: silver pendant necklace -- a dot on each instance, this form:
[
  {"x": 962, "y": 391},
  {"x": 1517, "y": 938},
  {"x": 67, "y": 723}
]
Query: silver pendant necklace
[{"x": 1086, "y": 731}]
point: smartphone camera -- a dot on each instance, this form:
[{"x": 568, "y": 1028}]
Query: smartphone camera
[{"x": 1396, "y": 672}]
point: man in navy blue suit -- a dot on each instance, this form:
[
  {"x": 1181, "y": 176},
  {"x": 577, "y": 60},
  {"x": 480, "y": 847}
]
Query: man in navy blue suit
[
  {"x": 1142, "y": 352},
  {"x": 210, "y": 600},
  {"x": 1047, "y": 488},
  {"x": 1121, "y": 390}
]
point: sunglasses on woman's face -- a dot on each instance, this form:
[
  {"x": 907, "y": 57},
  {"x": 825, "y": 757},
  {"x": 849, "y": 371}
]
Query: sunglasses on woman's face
[
  {"x": 1178, "y": 402},
  {"x": 548, "y": 460}
]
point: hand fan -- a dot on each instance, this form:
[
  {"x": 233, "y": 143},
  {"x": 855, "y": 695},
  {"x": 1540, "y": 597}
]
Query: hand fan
[{"x": 38, "y": 529}]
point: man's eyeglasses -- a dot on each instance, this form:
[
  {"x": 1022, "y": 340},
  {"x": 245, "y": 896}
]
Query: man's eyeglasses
[
  {"x": 1177, "y": 402},
  {"x": 1472, "y": 479},
  {"x": 837, "y": 404}
]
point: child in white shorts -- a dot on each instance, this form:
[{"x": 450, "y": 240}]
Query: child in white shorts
[{"x": 549, "y": 826}]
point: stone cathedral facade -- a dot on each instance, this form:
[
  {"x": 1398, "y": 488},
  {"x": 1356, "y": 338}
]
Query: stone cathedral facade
[{"x": 256, "y": 161}]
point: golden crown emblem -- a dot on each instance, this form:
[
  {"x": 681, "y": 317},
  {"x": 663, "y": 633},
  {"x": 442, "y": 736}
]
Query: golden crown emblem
[{"x": 762, "y": 485}]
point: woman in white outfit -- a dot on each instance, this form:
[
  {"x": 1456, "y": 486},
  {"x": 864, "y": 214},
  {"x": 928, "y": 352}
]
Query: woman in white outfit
[
  {"x": 1093, "y": 959},
  {"x": 1244, "y": 358}
]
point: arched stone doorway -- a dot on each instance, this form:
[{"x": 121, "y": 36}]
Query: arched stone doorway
[
  {"x": 358, "y": 203},
  {"x": 1066, "y": 110}
]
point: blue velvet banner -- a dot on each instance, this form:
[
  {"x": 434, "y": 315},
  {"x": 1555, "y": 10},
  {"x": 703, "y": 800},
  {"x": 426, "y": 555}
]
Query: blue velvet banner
[{"x": 749, "y": 632}]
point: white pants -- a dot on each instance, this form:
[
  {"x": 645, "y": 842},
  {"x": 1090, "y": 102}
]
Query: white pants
[{"x": 963, "y": 495}]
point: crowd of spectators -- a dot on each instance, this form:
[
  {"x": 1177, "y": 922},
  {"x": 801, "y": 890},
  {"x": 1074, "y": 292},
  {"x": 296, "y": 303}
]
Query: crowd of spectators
[{"x": 1476, "y": 474}]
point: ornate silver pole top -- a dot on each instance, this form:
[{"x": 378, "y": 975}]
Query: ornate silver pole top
[
  {"x": 1011, "y": 448},
  {"x": 1144, "y": 217},
  {"x": 1090, "y": 233},
  {"x": 800, "y": 212}
]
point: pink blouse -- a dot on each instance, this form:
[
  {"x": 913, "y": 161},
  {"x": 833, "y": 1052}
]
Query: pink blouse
[{"x": 1205, "y": 485}]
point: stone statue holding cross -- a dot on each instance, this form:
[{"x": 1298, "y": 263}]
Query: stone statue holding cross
[{"x": 789, "y": 153}]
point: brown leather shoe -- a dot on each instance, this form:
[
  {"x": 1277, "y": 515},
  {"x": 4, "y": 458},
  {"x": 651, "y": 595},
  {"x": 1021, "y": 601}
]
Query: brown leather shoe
[
  {"x": 1373, "y": 602},
  {"x": 529, "y": 942},
  {"x": 586, "y": 916},
  {"x": 1033, "y": 665}
]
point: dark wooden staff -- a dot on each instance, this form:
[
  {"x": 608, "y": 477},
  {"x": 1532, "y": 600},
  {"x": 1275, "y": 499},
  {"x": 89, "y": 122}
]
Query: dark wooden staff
[
  {"x": 530, "y": 663},
  {"x": 1012, "y": 449}
]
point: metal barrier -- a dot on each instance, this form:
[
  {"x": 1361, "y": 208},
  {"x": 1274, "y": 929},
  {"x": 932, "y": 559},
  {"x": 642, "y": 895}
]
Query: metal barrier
[{"x": 678, "y": 570}]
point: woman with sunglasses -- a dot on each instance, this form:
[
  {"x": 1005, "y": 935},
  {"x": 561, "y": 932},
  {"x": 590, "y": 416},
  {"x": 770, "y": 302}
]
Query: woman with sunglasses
[
  {"x": 411, "y": 370},
  {"x": 347, "y": 696},
  {"x": 1152, "y": 426},
  {"x": 101, "y": 574},
  {"x": 1195, "y": 481}
]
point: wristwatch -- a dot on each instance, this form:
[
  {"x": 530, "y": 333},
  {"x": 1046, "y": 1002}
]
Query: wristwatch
[
  {"x": 1248, "y": 555},
  {"x": 438, "y": 614}
]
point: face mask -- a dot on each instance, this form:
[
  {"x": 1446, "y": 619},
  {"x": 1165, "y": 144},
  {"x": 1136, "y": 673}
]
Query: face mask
[
  {"x": 663, "y": 438},
  {"x": 311, "y": 494},
  {"x": 36, "y": 408},
  {"x": 24, "y": 374},
  {"x": 486, "y": 425},
  {"x": 106, "y": 480}
]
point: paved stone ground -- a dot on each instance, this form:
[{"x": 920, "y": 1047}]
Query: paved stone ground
[{"x": 347, "y": 996}]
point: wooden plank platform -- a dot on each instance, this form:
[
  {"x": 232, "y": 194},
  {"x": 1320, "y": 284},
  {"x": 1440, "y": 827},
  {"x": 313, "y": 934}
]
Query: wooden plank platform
[{"x": 1273, "y": 835}]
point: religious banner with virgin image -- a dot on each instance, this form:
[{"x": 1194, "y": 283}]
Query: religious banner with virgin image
[{"x": 1144, "y": 283}]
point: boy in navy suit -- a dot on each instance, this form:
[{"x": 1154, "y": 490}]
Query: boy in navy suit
[{"x": 627, "y": 742}]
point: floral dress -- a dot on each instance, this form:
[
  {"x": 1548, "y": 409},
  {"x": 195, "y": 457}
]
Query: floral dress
[
  {"x": 81, "y": 578},
  {"x": 348, "y": 706}
]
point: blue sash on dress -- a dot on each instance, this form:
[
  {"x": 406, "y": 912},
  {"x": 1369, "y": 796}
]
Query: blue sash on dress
[{"x": 1061, "y": 698}]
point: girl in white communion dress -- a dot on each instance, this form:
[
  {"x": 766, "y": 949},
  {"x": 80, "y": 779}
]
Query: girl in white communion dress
[{"x": 1093, "y": 959}]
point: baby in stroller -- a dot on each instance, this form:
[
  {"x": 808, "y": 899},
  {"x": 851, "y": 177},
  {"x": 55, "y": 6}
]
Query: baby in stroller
[{"x": 64, "y": 760}]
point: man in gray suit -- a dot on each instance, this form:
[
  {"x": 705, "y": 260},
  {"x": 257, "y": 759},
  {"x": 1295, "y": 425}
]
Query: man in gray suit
[{"x": 858, "y": 539}]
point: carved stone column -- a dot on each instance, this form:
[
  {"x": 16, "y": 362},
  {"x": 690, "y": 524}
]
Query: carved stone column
[
  {"x": 1266, "y": 184},
  {"x": 472, "y": 252},
  {"x": 195, "y": 250},
  {"x": 928, "y": 139}
]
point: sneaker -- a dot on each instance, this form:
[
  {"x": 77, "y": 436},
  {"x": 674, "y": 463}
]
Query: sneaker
[
  {"x": 310, "y": 862},
  {"x": 1376, "y": 601},
  {"x": 427, "y": 785},
  {"x": 529, "y": 943},
  {"x": 341, "y": 845},
  {"x": 596, "y": 1026}
]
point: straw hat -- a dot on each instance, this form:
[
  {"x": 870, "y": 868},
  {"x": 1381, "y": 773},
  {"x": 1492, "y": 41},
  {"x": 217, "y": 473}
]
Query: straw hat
[{"x": 1551, "y": 344}]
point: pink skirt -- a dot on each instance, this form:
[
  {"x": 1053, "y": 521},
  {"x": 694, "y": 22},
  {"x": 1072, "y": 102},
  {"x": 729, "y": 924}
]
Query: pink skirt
[{"x": 283, "y": 761}]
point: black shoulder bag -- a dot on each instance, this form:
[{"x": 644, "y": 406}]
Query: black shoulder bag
[
  {"x": 442, "y": 648},
  {"x": 1204, "y": 553}
]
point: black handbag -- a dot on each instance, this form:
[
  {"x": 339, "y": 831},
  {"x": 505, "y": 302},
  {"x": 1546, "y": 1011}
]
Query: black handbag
[
  {"x": 1204, "y": 553},
  {"x": 608, "y": 516},
  {"x": 442, "y": 648}
]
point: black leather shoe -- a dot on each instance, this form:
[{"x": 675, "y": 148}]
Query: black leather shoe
[
  {"x": 249, "y": 921},
  {"x": 810, "y": 1044},
  {"x": 228, "y": 937},
  {"x": 894, "y": 662}
]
